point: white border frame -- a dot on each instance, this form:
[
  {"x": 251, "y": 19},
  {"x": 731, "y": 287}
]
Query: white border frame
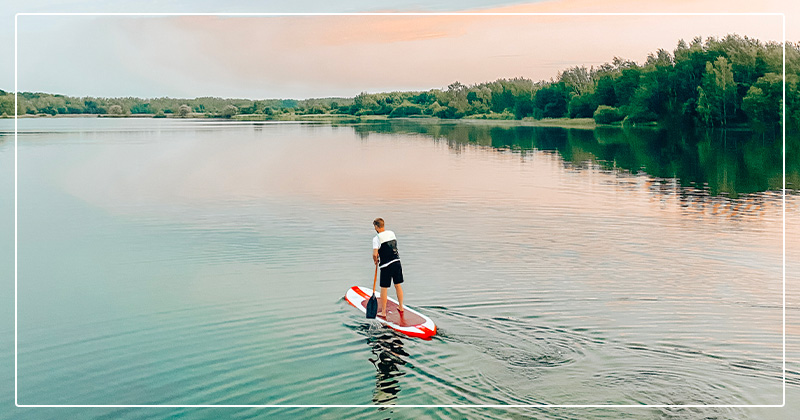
[{"x": 539, "y": 406}]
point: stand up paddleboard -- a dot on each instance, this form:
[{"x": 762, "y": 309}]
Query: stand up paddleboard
[{"x": 408, "y": 322}]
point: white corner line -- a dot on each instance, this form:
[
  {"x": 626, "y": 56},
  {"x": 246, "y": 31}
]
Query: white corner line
[
  {"x": 783, "y": 201},
  {"x": 537, "y": 406},
  {"x": 402, "y": 14},
  {"x": 16, "y": 107}
]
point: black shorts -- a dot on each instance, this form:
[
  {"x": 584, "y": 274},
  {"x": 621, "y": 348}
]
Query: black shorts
[{"x": 391, "y": 272}]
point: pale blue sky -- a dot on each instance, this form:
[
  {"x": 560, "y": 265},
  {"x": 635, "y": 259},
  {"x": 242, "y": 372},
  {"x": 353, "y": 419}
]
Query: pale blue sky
[
  {"x": 8, "y": 8},
  {"x": 316, "y": 57}
]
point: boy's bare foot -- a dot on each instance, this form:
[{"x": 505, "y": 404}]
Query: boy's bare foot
[{"x": 382, "y": 314}]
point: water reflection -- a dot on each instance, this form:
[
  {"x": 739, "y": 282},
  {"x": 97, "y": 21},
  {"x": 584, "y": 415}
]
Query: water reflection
[
  {"x": 701, "y": 203},
  {"x": 563, "y": 287},
  {"x": 720, "y": 162},
  {"x": 388, "y": 352}
]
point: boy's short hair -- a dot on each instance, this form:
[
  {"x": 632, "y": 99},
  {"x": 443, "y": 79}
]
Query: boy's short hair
[{"x": 378, "y": 222}]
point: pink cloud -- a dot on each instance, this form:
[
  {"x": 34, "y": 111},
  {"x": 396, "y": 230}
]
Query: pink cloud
[{"x": 329, "y": 55}]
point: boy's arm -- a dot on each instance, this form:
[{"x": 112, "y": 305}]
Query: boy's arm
[{"x": 375, "y": 245}]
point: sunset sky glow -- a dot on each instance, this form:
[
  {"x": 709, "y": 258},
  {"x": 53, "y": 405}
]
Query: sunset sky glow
[{"x": 322, "y": 56}]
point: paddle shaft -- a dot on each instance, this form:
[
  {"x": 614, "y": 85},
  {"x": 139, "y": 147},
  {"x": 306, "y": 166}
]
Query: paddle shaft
[{"x": 375, "y": 280}]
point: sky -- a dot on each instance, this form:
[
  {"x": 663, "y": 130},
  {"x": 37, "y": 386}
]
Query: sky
[{"x": 299, "y": 57}]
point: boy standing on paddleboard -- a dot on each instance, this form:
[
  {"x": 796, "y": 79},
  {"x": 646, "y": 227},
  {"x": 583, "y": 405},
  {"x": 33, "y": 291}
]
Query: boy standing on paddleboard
[{"x": 384, "y": 249}]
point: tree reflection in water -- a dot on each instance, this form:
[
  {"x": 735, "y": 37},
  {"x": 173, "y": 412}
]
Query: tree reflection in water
[{"x": 721, "y": 163}]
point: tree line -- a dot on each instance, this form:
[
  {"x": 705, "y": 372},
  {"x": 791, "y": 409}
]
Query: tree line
[
  {"x": 37, "y": 103},
  {"x": 713, "y": 83},
  {"x": 716, "y": 82}
]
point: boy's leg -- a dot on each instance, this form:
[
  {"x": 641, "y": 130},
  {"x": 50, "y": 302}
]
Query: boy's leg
[
  {"x": 385, "y": 282},
  {"x": 399, "y": 289},
  {"x": 398, "y": 280},
  {"x": 384, "y": 298}
]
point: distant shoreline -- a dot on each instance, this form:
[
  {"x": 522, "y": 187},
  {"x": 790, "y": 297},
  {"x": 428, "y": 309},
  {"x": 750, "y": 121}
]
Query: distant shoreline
[
  {"x": 575, "y": 123},
  {"x": 569, "y": 123}
]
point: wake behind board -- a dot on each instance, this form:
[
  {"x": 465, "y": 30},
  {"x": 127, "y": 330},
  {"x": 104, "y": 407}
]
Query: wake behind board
[{"x": 408, "y": 322}]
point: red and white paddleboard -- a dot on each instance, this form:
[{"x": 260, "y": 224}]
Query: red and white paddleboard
[{"x": 408, "y": 322}]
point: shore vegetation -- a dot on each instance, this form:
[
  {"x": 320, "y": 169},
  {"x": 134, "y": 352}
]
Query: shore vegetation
[{"x": 729, "y": 82}]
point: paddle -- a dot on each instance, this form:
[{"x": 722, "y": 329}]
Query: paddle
[{"x": 372, "y": 303}]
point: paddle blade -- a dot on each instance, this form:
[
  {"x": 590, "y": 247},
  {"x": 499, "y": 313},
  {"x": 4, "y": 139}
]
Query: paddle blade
[{"x": 372, "y": 307}]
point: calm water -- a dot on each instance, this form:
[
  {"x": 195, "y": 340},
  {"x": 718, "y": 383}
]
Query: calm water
[{"x": 199, "y": 262}]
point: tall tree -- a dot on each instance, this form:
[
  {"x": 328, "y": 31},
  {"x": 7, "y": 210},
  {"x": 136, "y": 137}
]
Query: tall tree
[
  {"x": 577, "y": 80},
  {"x": 719, "y": 89}
]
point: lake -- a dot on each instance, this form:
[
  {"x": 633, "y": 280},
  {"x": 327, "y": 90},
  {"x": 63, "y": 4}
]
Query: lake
[{"x": 202, "y": 262}]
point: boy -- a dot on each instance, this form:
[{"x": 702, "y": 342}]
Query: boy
[{"x": 384, "y": 248}]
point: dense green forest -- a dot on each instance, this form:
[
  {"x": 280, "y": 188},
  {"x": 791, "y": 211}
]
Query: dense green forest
[{"x": 716, "y": 82}]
